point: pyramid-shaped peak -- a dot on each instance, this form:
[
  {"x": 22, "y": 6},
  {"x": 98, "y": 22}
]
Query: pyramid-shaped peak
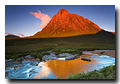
[{"x": 63, "y": 11}]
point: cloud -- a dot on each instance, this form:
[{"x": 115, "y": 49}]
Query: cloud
[
  {"x": 8, "y": 33},
  {"x": 37, "y": 23},
  {"x": 21, "y": 34},
  {"x": 44, "y": 17}
]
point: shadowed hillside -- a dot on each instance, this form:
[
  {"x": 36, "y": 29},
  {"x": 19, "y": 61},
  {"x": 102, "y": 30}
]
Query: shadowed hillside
[{"x": 11, "y": 36}]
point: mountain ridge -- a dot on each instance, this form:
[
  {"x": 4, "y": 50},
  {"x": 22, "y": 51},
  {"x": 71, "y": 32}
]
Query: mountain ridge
[
  {"x": 11, "y": 36},
  {"x": 65, "y": 24}
]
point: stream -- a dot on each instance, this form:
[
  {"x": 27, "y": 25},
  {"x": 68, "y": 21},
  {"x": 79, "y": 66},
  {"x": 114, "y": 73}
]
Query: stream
[{"x": 35, "y": 69}]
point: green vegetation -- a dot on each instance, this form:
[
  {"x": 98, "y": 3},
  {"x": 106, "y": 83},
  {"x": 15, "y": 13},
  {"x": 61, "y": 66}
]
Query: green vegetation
[
  {"x": 104, "y": 73},
  {"x": 57, "y": 53},
  {"x": 46, "y": 53},
  {"x": 67, "y": 50},
  {"x": 15, "y": 48},
  {"x": 102, "y": 52},
  {"x": 36, "y": 55}
]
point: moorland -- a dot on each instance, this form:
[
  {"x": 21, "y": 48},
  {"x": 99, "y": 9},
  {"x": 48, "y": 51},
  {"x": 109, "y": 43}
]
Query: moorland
[{"x": 15, "y": 48}]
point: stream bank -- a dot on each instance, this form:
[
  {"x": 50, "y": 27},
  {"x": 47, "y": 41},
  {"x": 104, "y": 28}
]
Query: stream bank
[
  {"x": 28, "y": 67},
  {"x": 110, "y": 53}
]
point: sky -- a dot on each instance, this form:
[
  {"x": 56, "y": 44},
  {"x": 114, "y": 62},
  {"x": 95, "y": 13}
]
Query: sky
[{"x": 26, "y": 20}]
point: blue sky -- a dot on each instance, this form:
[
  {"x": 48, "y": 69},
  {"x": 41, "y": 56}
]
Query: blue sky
[{"x": 19, "y": 20}]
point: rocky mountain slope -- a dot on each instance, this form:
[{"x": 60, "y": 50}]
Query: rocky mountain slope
[{"x": 65, "y": 24}]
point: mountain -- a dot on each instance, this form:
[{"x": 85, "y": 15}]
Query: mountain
[
  {"x": 11, "y": 36},
  {"x": 65, "y": 24}
]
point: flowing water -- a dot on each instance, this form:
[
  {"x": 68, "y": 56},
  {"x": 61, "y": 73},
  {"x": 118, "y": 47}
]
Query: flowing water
[{"x": 59, "y": 68}]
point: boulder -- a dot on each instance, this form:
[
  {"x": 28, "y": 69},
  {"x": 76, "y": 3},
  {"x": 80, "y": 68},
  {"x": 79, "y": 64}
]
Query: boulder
[
  {"x": 49, "y": 57},
  {"x": 76, "y": 56},
  {"x": 69, "y": 58},
  {"x": 30, "y": 75},
  {"x": 28, "y": 57},
  {"x": 31, "y": 70},
  {"x": 65, "y": 55},
  {"x": 85, "y": 59},
  {"x": 36, "y": 64}
]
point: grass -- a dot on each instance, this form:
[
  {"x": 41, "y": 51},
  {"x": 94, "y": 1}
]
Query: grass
[
  {"x": 57, "y": 53},
  {"x": 104, "y": 73},
  {"x": 36, "y": 55},
  {"x": 15, "y": 48},
  {"x": 46, "y": 53},
  {"x": 102, "y": 52},
  {"x": 67, "y": 50}
]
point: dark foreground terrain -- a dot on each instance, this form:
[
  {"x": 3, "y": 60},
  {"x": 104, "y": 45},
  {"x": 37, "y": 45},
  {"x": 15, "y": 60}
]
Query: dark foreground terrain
[{"x": 15, "y": 48}]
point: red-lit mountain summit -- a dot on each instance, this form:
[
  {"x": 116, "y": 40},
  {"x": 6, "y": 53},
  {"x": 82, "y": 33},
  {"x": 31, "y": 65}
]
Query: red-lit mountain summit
[{"x": 65, "y": 24}]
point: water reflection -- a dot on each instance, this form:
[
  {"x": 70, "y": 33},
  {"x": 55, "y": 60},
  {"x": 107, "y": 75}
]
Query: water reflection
[
  {"x": 59, "y": 68},
  {"x": 44, "y": 72},
  {"x": 63, "y": 68}
]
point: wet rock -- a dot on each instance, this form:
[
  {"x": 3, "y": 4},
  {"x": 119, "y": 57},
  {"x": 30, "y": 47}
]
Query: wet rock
[
  {"x": 18, "y": 59},
  {"x": 40, "y": 66},
  {"x": 69, "y": 58},
  {"x": 85, "y": 59},
  {"x": 31, "y": 70},
  {"x": 36, "y": 64},
  {"x": 65, "y": 55},
  {"x": 20, "y": 65},
  {"x": 45, "y": 60},
  {"x": 39, "y": 62},
  {"x": 17, "y": 62},
  {"x": 30, "y": 75},
  {"x": 6, "y": 73},
  {"x": 5, "y": 67},
  {"x": 76, "y": 57},
  {"x": 37, "y": 59},
  {"x": 15, "y": 68},
  {"x": 10, "y": 77},
  {"x": 49, "y": 57},
  {"x": 28, "y": 57},
  {"x": 11, "y": 66},
  {"x": 10, "y": 60}
]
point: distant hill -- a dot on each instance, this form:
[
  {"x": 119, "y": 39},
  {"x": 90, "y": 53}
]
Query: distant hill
[{"x": 11, "y": 36}]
